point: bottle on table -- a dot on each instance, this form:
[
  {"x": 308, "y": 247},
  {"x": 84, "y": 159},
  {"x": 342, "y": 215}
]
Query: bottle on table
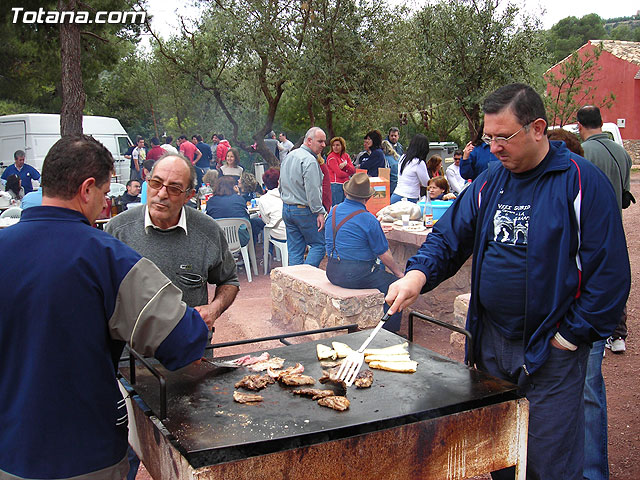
[{"x": 428, "y": 212}]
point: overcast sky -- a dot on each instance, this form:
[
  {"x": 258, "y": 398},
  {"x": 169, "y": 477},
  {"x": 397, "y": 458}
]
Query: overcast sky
[{"x": 555, "y": 10}]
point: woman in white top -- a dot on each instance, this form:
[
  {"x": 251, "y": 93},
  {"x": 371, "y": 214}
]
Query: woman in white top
[
  {"x": 232, "y": 167},
  {"x": 270, "y": 205},
  {"x": 412, "y": 170}
]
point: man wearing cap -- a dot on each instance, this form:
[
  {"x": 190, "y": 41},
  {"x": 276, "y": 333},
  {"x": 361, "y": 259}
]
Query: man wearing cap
[{"x": 357, "y": 243}]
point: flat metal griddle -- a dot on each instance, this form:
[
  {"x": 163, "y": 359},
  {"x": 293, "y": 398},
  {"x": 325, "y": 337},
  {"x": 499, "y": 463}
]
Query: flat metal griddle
[{"x": 208, "y": 427}]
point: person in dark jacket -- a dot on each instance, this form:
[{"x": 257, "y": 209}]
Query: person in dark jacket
[
  {"x": 227, "y": 202},
  {"x": 80, "y": 296},
  {"x": 476, "y": 156},
  {"x": 375, "y": 159},
  {"x": 547, "y": 280}
]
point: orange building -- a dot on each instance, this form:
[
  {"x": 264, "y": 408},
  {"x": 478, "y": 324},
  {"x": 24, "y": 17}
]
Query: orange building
[{"x": 617, "y": 72}]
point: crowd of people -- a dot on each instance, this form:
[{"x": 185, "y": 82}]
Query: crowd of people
[{"x": 548, "y": 287}]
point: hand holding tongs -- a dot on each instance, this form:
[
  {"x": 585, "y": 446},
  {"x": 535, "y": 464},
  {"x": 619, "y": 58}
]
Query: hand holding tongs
[{"x": 352, "y": 364}]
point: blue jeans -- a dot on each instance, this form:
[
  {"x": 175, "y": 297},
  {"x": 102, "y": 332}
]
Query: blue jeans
[
  {"x": 337, "y": 193},
  {"x": 396, "y": 198},
  {"x": 596, "y": 460},
  {"x": 302, "y": 230},
  {"x": 364, "y": 274},
  {"x": 556, "y": 414}
]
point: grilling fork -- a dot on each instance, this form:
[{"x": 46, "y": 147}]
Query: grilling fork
[{"x": 351, "y": 366}]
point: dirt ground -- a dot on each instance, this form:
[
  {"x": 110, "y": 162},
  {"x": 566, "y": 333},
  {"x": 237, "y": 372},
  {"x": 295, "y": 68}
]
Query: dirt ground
[{"x": 250, "y": 317}]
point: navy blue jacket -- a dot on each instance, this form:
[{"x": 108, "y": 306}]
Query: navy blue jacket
[
  {"x": 75, "y": 295},
  {"x": 373, "y": 162},
  {"x": 577, "y": 268}
]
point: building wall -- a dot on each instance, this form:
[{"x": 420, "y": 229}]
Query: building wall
[{"x": 616, "y": 76}]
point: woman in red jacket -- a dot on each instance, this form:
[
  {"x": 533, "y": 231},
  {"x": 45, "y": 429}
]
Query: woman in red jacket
[{"x": 340, "y": 168}]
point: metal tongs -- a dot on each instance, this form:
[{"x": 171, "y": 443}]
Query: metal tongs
[{"x": 351, "y": 365}]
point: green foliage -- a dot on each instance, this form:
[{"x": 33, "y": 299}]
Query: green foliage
[
  {"x": 466, "y": 49},
  {"x": 30, "y": 53},
  {"x": 571, "y": 33}
]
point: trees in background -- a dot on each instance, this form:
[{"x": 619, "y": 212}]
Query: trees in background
[
  {"x": 245, "y": 66},
  {"x": 464, "y": 50}
]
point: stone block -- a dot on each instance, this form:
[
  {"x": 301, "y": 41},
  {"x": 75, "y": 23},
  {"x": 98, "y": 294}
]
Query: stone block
[
  {"x": 304, "y": 299},
  {"x": 460, "y": 309}
]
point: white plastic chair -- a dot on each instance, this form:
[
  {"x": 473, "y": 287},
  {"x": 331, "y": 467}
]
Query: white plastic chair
[
  {"x": 117, "y": 189},
  {"x": 11, "y": 212},
  {"x": 230, "y": 228},
  {"x": 281, "y": 247}
]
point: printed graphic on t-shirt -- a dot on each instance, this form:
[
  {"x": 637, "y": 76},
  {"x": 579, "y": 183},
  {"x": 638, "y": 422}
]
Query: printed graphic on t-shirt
[{"x": 511, "y": 224}]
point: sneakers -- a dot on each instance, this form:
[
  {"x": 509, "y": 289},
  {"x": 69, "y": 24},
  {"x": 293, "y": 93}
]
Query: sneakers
[{"x": 617, "y": 345}]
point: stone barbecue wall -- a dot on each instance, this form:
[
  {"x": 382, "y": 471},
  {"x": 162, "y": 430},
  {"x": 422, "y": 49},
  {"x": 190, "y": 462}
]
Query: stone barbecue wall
[{"x": 303, "y": 299}]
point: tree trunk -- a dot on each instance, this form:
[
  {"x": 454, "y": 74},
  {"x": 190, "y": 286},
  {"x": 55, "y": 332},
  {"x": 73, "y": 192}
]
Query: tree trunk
[
  {"x": 329, "y": 119},
  {"x": 73, "y": 95}
]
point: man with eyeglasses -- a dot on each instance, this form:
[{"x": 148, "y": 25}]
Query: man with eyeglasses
[
  {"x": 301, "y": 192},
  {"x": 188, "y": 246},
  {"x": 550, "y": 272}
]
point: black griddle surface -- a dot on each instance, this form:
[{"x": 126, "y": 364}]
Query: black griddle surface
[{"x": 208, "y": 427}]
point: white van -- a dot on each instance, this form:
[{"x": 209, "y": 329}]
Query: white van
[{"x": 35, "y": 133}]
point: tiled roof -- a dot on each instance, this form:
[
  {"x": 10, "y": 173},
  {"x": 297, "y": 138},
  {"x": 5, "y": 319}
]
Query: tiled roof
[{"x": 629, "y": 51}]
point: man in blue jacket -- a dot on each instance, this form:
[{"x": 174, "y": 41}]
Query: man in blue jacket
[
  {"x": 550, "y": 273},
  {"x": 23, "y": 170},
  {"x": 77, "y": 297}
]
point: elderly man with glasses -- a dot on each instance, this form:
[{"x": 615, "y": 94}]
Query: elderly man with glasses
[
  {"x": 188, "y": 246},
  {"x": 550, "y": 272}
]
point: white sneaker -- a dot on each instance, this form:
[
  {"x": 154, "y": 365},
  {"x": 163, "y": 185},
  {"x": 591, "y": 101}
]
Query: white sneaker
[{"x": 616, "y": 345}]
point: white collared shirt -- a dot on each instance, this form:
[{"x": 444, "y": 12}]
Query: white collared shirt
[{"x": 182, "y": 222}]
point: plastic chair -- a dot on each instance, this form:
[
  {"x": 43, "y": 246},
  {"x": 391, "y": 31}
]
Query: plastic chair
[
  {"x": 230, "y": 228},
  {"x": 281, "y": 247},
  {"x": 12, "y": 212},
  {"x": 117, "y": 189}
]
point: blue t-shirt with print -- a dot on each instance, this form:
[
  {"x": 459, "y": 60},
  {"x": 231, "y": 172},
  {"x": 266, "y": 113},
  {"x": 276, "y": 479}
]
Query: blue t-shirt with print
[{"x": 502, "y": 291}]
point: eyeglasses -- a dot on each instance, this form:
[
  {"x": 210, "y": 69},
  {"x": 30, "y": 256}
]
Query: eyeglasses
[
  {"x": 172, "y": 190},
  {"x": 502, "y": 141}
]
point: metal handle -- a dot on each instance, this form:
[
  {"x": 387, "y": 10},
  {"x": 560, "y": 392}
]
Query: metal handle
[
  {"x": 373, "y": 334},
  {"x": 466, "y": 333},
  {"x": 161, "y": 380}
]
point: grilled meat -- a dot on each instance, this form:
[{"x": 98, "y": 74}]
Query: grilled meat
[
  {"x": 364, "y": 379},
  {"x": 274, "y": 363},
  {"x": 336, "y": 402},
  {"x": 246, "y": 397},
  {"x": 254, "y": 382},
  {"x": 249, "y": 360},
  {"x": 331, "y": 376},
  {"x": 297, "y": 379},
  {"x": 314, "y": 393}
]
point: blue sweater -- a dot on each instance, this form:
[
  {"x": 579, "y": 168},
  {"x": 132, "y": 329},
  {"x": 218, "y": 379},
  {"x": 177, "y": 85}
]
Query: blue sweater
[
  {"x": 577, "y": 266},
  {"x": 75, "y": 295}
]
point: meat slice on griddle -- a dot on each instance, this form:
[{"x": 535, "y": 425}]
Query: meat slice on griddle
[
  {"x": 246, "y": 397},
  {"x": 254, "y": 382},
  {"x": 336, "y": 402},
  {"x": 297, "y": 380},
  {"x": 364, "y": 379},
  {"x": 314, "y": 393},
  {"x": 331, "y": 376}
]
